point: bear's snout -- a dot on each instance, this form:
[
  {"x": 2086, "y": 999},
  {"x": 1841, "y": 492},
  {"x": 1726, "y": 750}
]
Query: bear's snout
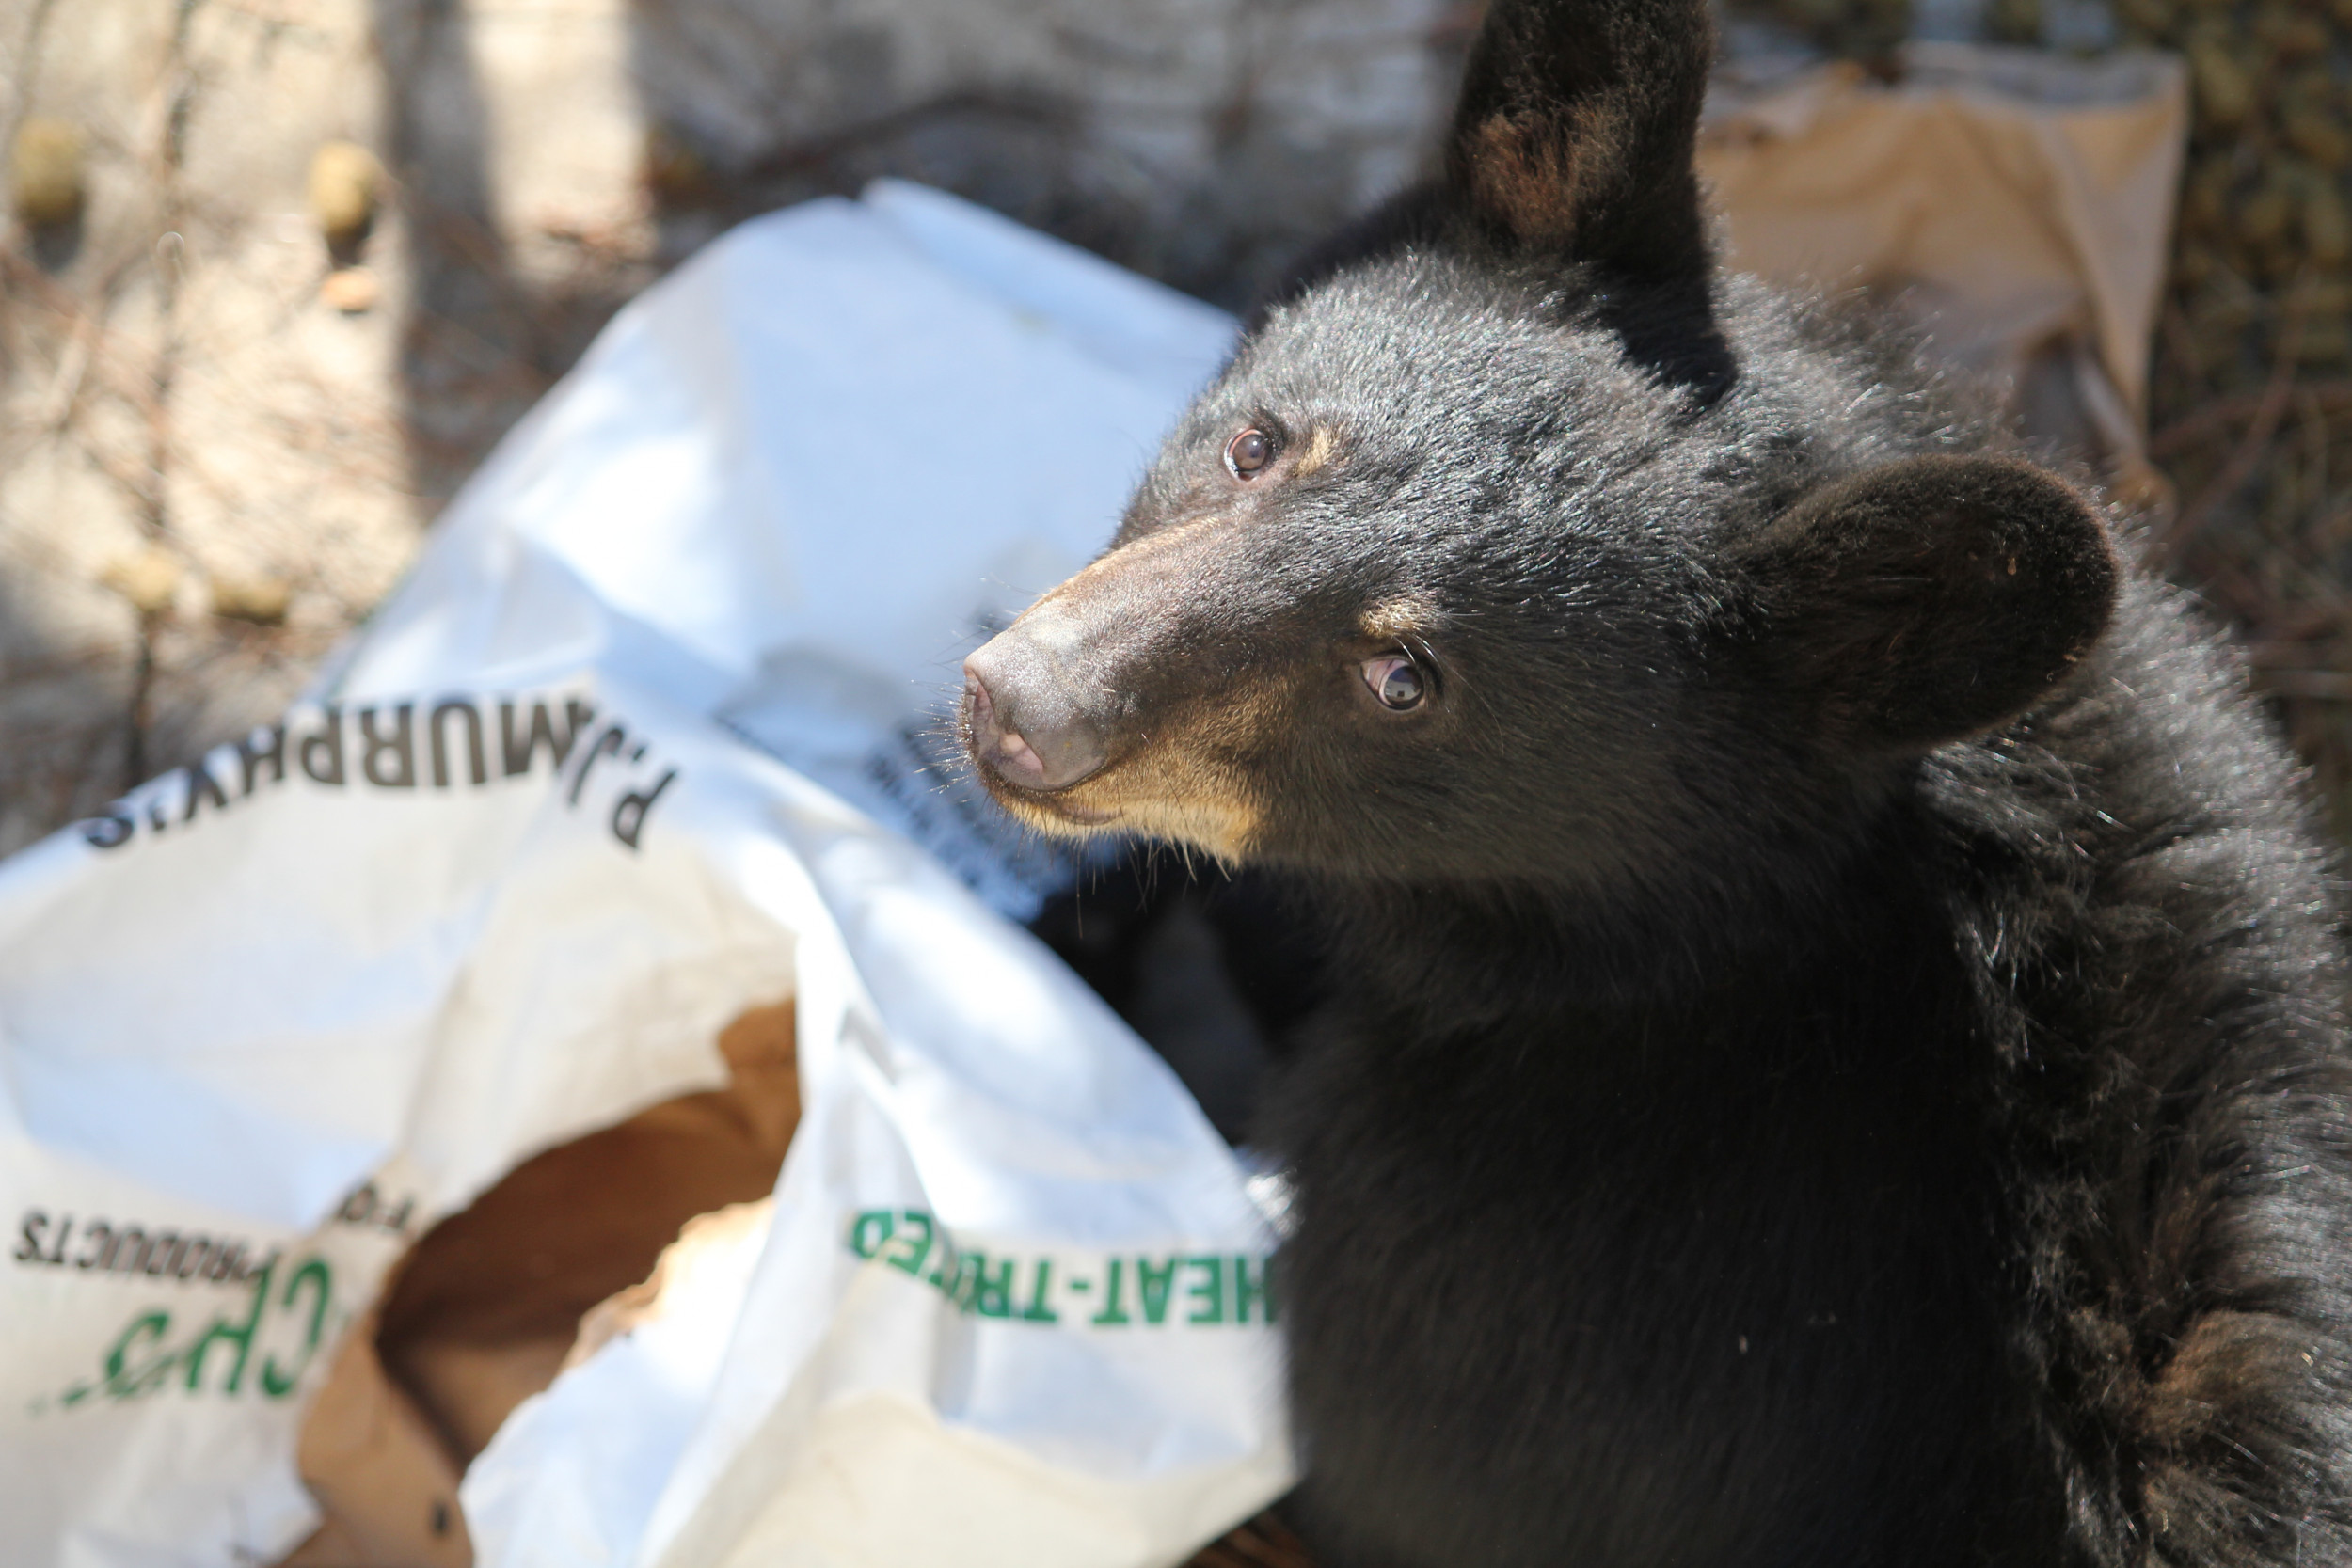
[{"x": 1019, "y": 718}]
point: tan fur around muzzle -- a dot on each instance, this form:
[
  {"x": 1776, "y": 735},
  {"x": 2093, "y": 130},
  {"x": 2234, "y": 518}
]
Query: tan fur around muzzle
[{"x": 1189, "y": 783}]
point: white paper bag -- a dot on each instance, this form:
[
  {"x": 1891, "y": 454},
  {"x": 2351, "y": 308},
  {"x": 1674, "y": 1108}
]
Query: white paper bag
[{"x": 641, "y": 743}]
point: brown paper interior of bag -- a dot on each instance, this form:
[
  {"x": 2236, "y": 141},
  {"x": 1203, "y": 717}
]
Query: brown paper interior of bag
[
  {"x": 560, "y": 1256},
  {"x": 483, "y": 1312}
]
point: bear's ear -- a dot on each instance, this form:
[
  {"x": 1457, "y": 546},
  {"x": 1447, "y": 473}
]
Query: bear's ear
[
  {"x": 1577, "y": 129},
  {"x": 1928, "y": 599}
]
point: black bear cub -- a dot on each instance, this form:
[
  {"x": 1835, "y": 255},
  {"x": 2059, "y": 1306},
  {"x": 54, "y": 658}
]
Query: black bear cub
[{"x": 1834, "y": 1051}]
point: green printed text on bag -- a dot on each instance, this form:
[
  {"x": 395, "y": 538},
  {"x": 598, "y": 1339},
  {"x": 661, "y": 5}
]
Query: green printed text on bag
[{"x": 1105, "y": 1292}]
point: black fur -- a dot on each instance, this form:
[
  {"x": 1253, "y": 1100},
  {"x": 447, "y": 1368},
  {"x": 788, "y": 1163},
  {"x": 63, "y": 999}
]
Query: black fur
[{"x": 1835, "y": 1052}]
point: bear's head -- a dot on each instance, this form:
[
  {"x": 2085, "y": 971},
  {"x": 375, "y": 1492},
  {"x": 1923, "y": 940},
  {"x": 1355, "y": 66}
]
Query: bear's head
[{"x": 1518, "y": 543}]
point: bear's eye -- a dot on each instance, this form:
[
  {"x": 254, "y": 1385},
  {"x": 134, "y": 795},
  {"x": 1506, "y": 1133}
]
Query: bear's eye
[
  {"x": 1396, "y": 681},
  {"x": 1248, "y": 453}
]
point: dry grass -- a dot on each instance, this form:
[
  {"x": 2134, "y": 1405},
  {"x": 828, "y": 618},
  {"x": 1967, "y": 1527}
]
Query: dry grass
[{"x": 2251, "y": 402}]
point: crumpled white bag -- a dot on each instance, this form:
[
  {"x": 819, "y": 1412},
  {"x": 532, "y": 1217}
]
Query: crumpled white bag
[{"x": 641, "y": 743}]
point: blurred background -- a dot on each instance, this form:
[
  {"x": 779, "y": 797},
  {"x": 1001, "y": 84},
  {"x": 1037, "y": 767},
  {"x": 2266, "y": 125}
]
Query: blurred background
[{"x": 277, "y": 273}]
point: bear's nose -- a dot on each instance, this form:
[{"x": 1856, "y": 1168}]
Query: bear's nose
[{"x": 1021, "y": 717}]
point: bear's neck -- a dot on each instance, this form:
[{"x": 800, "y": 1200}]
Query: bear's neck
[{"x": 1445, "y": 960}]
